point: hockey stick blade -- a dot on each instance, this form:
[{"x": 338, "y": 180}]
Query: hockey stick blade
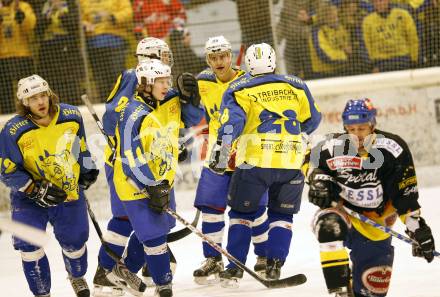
[
  {"x": 294, "y": 280},
  {"x": 175, "y": 236}
]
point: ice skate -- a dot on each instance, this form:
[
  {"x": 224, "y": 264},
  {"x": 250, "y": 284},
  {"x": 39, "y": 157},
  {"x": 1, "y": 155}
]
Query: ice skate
[
  {"x": 164, "y": 291},
  {"x": 260, "y": 266},
  {"x": 343, "y": 292},
  {"x": 230, "y": 277},
  {"x": 208, "y": 273},
  {"x": 80, "y": 286},
  {"x": 103, "y": 287},
  {"x": 126, "y": 280},
  {"x": 273, "y": 268}
]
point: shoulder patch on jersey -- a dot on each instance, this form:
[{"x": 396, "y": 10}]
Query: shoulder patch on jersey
[
  {"x": 294, "y": 79},
  {"x": 14, "y": 124},
  {"x": 206, "y": 74},
  {"x": 69, "y": 110},
  {"x": 390, "y": 145},
  {"x": 240, "y": 82},
  {"x": 344, "y": 162}
]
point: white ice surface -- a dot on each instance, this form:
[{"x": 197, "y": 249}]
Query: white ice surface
[{"x": 412, "y": 277}]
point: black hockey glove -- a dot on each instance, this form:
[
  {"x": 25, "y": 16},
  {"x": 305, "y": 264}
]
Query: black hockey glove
[
  {"x": 183, "y": 153},
  {"x": 45, "y": 194},
  {"x": 159, "y": 196},
  {"x": 425, "y": 246},
  {"x": 188, "y": 89},
  {"x": 87, "y": 179},
  {"x": 323, "y": 189},
  {"x": 19, "y": 16}
]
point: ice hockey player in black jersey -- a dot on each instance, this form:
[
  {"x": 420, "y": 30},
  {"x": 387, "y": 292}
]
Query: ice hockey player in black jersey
[{"x": 370, "y": 172}]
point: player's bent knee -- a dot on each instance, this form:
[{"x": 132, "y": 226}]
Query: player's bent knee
[
  {"x": 32, "y": 256},
  {"x": 330, "y": 226},
  {"x": 115, "y": 238},
  {"x": 75, "y": 254}
]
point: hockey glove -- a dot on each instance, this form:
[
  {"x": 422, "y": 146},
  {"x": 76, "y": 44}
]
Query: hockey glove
[
  {"x": 19, "y": 16},
  {"x": 45, "y": 194},
  {"x": 218, "y": 161},
  {"x": 188, "y": 89},
  {"x": 183, "y": 153},
  {"x": 159, "y": 196},
  {"x": 88, "y": 179},
  {"x": 323, "y": 189},
  {"x": 425, "y": 246}
]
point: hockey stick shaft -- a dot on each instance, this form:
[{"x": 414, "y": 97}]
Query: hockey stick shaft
[
  {"x": 98, "y": 122},
  {"x": 105, "y": 245},
  {"x": 385, "y": 229},
  {"x": 268, "y": 283},
  {"x": 240, "y": 55},
  {"x": 25, "y": 232}
]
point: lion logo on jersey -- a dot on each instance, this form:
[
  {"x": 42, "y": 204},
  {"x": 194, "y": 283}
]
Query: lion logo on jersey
[
  {"x": 162, "y": 150},
  {"x": 58, "y": 168}
]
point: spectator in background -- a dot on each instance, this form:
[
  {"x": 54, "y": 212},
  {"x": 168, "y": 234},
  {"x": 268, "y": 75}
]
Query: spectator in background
[
  {"x": 426, "y": 15},
  {"x": 106, "y": 23},
  {"x": 185, "y": 59},
  {"x": 431, "y": 44},
  {"x": 156, "y": 18},
  {"x": 57, "y": 29},
  {"x": 255, "y": 21},
  {"x": 17, "y": 23},
  {"x": 294, "y": 26},
  {"x": 351, "y": 13},
  {"x": 390, "y": 37},
  {"x": 329, "y": 43}
]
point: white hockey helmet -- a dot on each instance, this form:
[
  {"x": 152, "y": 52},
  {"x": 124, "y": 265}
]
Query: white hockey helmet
[
  {"x": 30, "y": 86},
  {"x": 152, "y": 69},
  {"x": 154, "y": 48},
  {"x": 217, "y": 44},
  {"x": 260, "y": 58}
]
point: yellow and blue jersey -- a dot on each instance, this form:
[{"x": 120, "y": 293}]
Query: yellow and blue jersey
[
  {"x": 327, "y": 48},
  {"x": 391, "y": 37},
  {"x": 119, "y": 24},
  {"x": 267, "y": 114},
  {"x": 15, "y": 38},
  {"x": 147, "y": 142},
  {"x": 123, "y": 90},
  {"x": 211, "y": 92},
  {"x": 57, "y": 153}
]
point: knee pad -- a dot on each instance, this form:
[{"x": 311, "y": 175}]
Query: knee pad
[
  {"x": 31, "y": 256},
  {"x": 155, "y": 247},
  {"x": 76, "y": 261},
  {"x": 330, "y": 226}
]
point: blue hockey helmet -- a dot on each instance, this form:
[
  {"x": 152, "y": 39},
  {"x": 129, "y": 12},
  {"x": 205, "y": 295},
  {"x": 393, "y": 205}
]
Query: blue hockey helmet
[{"x": 358, "y": 111}]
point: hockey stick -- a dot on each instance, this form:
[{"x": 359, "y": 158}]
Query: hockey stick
[
  {"x": 92, "y": 111},
  {"x": 385, "y": 229},
  {"x": 240, "y": 55},
  {"x": 25, "y": 232},
  {"x": 171, "y": 237},
  {"x": 294, "y": 280},
  {"x": 107, "y": 248}
]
